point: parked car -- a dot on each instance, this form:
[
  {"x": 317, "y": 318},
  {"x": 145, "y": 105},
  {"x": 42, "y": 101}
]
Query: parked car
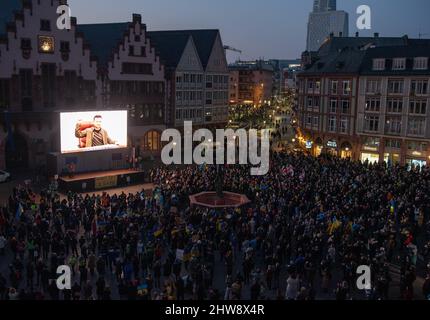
[{"x": 4, "y": 176}]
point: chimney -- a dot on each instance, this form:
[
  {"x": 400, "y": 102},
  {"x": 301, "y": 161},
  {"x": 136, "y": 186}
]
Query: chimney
[
  {"x": 376, "y": 35},
  {"x": 137, "y": 18},
  {"x": 357, "y": 34}
]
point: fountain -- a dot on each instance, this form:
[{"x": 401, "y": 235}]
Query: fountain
[{"x": 219, "y": 198}]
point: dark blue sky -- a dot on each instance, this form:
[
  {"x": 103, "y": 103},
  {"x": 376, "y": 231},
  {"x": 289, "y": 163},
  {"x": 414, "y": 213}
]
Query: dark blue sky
[{"x": 261, "y": 28}]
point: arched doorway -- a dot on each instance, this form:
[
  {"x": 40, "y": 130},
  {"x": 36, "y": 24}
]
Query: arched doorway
[
  {"x": 152, "y": 141},
  {"x": 16, "y": 151}
]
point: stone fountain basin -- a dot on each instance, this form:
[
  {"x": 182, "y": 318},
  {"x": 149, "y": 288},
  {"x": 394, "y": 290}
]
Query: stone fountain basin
[{"x": 211, "y": 200}]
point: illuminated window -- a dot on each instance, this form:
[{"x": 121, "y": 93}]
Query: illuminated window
[
  {"x": 152, "y": 141},
  {"x": 46, "y": 44}
]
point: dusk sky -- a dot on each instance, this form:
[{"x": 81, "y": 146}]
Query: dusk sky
[{"x": 266, "y": 29}]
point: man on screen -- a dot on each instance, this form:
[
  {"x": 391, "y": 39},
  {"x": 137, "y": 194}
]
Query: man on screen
[{"x": 95, "y": 135}]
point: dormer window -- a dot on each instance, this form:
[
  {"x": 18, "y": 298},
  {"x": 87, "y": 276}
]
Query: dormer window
[
  {"x": 45, "y": 25},
  {"x": 421, "y": 63},
  {"x": 378, "y": 64},
  {"x": 399, "y": 64}
]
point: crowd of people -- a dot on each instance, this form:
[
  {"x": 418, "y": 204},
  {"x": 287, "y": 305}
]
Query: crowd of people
[{"x": 310, "y": 224}]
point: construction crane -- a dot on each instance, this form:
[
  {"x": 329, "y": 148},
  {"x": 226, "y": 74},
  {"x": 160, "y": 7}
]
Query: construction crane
[{"x": 232, "y": 49}]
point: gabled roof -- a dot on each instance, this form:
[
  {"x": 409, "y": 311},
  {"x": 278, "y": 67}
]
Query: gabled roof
[
  {"x": 204, "y": 41},
  {"x": 7, "y": 9},
  {"x": 103, "y": 38},
  {"x": 169, "y": 46},
  {"x": 347, "y": 61}
]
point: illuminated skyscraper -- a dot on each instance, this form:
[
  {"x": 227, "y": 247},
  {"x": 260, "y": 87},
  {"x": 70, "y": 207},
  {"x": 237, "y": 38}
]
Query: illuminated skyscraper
[{"x": 324, "y": 5}]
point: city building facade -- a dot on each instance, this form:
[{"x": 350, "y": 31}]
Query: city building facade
[
  {"x": 131, "y": 77},
  {"x": 197, "y": 76},
  {"x": 367, "y": 99},
  {"x": 251, "y": 83},
  {"x": 284, "y": 75},
  {"x": 114, "y": 66},
  {"x": 393, "y": 119},
  {"x": 42, "y": 70}
]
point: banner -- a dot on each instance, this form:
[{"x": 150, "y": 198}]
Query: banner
[{"x": 106, "y": 182}]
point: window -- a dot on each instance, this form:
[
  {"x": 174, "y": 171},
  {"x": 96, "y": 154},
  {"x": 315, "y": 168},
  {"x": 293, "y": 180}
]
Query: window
[
  {"x": 25, "y": 43},
  {"x": 309, "y": 121},
  {"x": 378, "y": 64},
  {"x": 179, "y": 96},
  {"x": 332, "y": 124},
  {"x": 152, "y": 141},
  {"x": 333, "y": 106},
  {"x": 136, "y": 68},
  {"x": 317, "y": 86},
  {"x": 4, "y": 93},
  {"x": 46, "y": 44},
  {"x": 344, "y": 125},
  {"x": 395, "y": 86},
  {"x": 178, "y": 79},
  {"x": 417, "y": 146},
  {"x": 393, "y": 125},
  {"x": 372, "y": 143},
  {"x": 394, "y": 105},
  {"x": 393, "y": 144},
  {"x": 345, "y": 107},
  {"x": 416, "y": 126},
  {"x": 316, "y": 121},
  {"x": 316, "y": 102},
  {"x": 373, "y": 87},
  {"x": 310, "y": 103},
  {"x": 65, "y": 46},
  {"x": 131, "y": 51},
  {"x": 26, "y": 86},
  {"x": 421, "y": 63},
  {"x": 310, "y": 85},
  {"x": 71, "y": 85},
  {"x": 419, "y": 87},
  {"x": 178, "y": 115},
  {"x": 143, "y": 51},
  {"x": 334, "y": 85},
  {"x": 373, "y": 104},
  {"x": 48, "y": 84},
  {"x": 45, "y": 25},
  {"x": 371, "y": 123},
  {"x": 399, "y": 64},
  {"x": 346, "y": 87},
  {"x": 418, "y": 107}
]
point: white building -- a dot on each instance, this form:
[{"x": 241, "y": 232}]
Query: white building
[{"x": 324, "y": 21}]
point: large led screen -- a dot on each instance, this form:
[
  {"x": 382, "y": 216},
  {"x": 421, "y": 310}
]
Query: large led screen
[{"x": 93, "y": 130}]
